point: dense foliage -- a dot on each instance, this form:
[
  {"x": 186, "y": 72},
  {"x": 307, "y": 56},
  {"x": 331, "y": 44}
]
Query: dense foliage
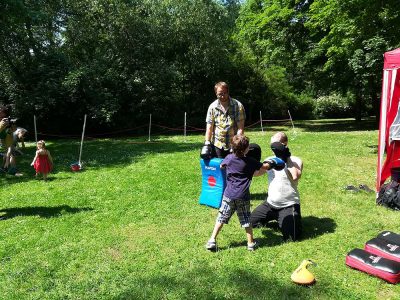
[
  {"x": 120, "y": 60},
  {"x": 320, "y": 47}
]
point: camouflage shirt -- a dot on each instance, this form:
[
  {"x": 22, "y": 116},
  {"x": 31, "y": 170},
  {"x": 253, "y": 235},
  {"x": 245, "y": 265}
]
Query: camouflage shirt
[{"x": 225, "y": 124}]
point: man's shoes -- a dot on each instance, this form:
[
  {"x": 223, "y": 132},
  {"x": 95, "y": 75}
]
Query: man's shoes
[
  {"x": 361, "y": 187},
  {"x": 352, "y": 188},
  {"x": 252, "y": 246},
  {"x": 365, "y": 188},
  {"x": 211, "y": 246}
]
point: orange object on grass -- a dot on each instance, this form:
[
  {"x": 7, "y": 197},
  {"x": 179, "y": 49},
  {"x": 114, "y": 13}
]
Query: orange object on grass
[{"x": 302, "y": 275}]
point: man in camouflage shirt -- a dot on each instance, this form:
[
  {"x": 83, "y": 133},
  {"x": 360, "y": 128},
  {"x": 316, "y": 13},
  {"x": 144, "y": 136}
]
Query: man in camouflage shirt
[{"x": 225, "y": 118}]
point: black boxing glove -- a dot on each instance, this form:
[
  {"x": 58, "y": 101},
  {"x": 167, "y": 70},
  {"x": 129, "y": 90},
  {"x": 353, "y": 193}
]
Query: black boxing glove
[{"x": 281, "y": 150}]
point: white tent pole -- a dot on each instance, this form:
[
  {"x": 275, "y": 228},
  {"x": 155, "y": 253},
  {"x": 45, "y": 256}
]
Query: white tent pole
[
  {"x": 34, "y": 125},
  {"x": 149, "y": 129},
  {"x": 83, "y": 134},
  {"x": 389, "y": 78},
  {"x": 262, "y": 129}
]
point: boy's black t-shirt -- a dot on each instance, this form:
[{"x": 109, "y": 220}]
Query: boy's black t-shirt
[{"x": 239, "y": 173}]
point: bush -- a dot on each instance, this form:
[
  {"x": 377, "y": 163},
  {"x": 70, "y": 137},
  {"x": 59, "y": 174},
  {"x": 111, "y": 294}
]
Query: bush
[
  {"x": 333, "y": 106},
  {"x": 302, "y": 107}
]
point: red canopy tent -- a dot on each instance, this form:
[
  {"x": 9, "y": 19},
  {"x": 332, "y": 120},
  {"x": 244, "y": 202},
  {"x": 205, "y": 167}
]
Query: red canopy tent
[{"x": 389, "y": 124}]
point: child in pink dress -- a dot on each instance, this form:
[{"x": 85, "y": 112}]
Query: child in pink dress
[{"x": 42, "y": 162}]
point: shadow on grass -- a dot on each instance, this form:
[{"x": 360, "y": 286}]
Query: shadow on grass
[
  {"x": 41, "y": 211},
  {"x": 236, "y": 283},
  {"x": 312, "y": 228},
  {"x": 104, "y": 153},
  {"x": 206, "y": 283},
  {"x": 328, "y": 125},
  {"x": 96, "y": 154},
  {"x": 7, "y": 179},
  {"x": 337, "y": 125}
]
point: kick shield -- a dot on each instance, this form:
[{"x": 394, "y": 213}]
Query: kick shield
[{"x": 213, "y": 182}]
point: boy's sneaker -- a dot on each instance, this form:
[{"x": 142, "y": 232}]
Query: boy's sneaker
[
  {"x": 211, "y": 246},
  {"x": 252, "y": 247}
]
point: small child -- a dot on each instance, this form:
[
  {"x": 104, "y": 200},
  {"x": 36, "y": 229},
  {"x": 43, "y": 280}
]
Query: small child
[
  {"x": 239, "y": 172},
  {"x": 42, "y": 162}
]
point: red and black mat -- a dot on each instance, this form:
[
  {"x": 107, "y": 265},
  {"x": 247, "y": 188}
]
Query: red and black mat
[
  {"x": 378, "y": 266},
  {"x": 380, "y": 257}
]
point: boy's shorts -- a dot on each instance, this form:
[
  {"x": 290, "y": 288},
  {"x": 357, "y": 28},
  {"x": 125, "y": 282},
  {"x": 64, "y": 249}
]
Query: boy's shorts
[{"x": 229, "y": 206}]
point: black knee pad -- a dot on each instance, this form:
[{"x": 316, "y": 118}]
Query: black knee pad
[{"x": 383, "y": 248}]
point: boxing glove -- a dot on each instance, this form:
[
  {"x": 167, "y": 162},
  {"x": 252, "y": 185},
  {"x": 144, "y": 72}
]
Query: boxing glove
[
  {"x": 206, "y": 151},
  {"x": 275, "y": 163},
  {"x": 281, "y": 150}
]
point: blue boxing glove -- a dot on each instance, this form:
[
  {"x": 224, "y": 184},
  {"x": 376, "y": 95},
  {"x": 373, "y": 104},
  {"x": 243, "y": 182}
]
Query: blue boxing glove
[{"x": 275, "y": 163}]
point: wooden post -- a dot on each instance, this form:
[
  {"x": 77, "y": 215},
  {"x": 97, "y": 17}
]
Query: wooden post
[
  {"x": 184, "y": 128},
  {"x": 150, "y": 129}
]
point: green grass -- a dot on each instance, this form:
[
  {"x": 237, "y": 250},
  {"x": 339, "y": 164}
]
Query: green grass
[{"x": 129, "y": 225}]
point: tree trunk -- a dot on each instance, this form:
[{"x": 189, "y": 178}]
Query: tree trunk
[{"x": 358, "y": 105}]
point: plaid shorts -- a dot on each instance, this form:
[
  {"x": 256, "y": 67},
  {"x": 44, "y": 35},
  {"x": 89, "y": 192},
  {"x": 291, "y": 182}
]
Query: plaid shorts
[{"x": 229, "y": 206}]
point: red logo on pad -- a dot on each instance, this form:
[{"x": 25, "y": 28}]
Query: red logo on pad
[{"x": 211, "y": 181}]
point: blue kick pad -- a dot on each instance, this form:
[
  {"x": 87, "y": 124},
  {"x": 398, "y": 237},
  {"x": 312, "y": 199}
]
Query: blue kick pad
[{"x": 213, "y": 182}]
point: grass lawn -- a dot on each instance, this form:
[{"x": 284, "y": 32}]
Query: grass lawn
[{"x": 129, "y": 225}]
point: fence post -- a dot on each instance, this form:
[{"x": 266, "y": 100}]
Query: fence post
[
  {"x": 34, "y": 125},
  {"x": 184, "y": 128},
  {"x": 291, "y": 120},
  {"x": 262, "y": 129},
  {"x": 149, "y": 129},
  {"x": 83, "y": 135}
]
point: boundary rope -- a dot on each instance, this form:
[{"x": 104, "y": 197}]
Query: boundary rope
[{"x": 164, "y": 129}]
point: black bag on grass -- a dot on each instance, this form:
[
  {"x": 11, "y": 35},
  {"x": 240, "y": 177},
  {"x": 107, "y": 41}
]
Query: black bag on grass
[{"x": 389, "y": 195}]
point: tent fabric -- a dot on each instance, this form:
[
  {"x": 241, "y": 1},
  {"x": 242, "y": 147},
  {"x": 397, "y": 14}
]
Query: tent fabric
[
  {"x": 391, "y": 59},
  {"x": 389, "y": 124}
]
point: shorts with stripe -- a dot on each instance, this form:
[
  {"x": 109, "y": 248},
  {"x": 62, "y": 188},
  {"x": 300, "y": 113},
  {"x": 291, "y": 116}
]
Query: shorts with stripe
[{"x": 229, "y": 206}]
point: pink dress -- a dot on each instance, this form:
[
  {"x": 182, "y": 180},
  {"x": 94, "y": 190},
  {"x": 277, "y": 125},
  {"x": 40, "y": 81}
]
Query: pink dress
[{"x": 42, "y": 164}]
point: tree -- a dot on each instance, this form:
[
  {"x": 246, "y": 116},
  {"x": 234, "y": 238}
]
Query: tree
[
  {"x": 353, "y": 36},
  {"x": 273, "y": 41},
  {"x": 114, "y": 59},
  {"x": 31, "y": 65},
  {"x": 321, "y": 47}
]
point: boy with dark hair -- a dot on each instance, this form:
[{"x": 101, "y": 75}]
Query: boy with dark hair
[{"x": 239, "y": 173}]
